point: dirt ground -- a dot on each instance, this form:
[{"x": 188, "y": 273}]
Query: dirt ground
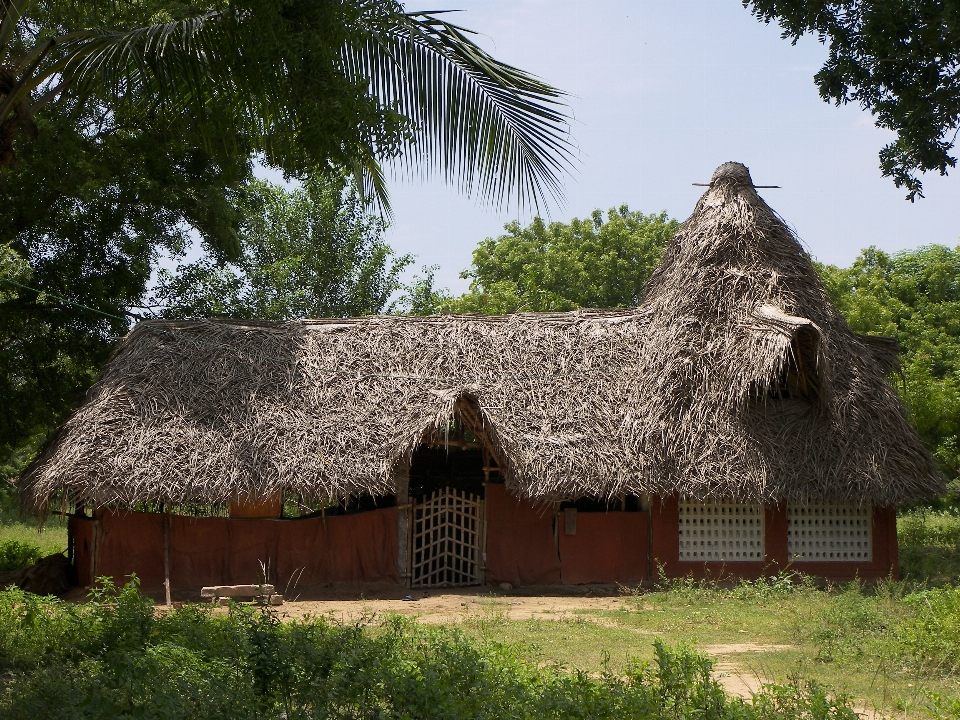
[
  {"x": 347, "y": 604},
  {"x": 445, "y": 606},
  {"x": 451, "y": 606}
]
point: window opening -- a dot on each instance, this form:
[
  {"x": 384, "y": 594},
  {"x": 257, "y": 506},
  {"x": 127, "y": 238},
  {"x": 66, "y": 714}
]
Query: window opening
[
  {"x": 829, "y": 533},
  {"x": 799, "y": 379},
  {"x": 711, "y": 532}
]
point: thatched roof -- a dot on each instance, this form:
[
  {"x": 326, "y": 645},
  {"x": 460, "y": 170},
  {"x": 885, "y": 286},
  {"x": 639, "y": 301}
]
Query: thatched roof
[{"x": 734, "y": 379}]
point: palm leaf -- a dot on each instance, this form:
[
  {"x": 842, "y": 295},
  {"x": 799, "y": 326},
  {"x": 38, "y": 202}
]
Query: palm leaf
[{"x": 488, "y": 126}]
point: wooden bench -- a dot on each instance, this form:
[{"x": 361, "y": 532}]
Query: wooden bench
[{"x": 224, "y": 593}]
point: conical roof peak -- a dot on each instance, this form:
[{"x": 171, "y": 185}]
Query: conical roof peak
[{"x": 732, "y": 173}]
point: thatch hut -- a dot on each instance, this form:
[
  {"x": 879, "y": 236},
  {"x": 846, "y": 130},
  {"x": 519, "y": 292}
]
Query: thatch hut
[{"x": 732, "y": 423}]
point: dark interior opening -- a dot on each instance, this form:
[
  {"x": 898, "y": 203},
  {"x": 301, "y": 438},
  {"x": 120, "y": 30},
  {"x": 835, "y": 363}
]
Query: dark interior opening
[
  {"x": 629, "y": 503},
  {"x": 436, "y": 467},
  {"x": 799, "y": 379},
  {"x": 354, "y": 504}
]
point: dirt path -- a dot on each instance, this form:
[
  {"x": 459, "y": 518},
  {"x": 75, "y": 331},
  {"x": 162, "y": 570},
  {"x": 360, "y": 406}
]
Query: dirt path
[
  {"x": 448, "y": 606},
  {"x": 739, "y": 679}
]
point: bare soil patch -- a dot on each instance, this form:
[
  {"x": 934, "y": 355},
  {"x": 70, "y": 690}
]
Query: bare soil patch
[{"x": 446, "y": 606}]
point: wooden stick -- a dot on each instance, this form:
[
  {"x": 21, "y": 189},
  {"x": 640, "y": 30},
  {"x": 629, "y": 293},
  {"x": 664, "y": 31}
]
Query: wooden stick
[
  {"x": 402, "y": 484},
  {"x": 94, "y": 548},
  {"x": 166, "y": 554}
]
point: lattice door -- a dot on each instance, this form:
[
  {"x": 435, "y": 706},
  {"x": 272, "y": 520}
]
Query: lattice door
[{"x": 446, "y": 539}]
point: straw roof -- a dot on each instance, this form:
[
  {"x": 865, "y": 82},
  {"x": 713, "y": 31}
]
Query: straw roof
[{"x": 734, "y": 379}]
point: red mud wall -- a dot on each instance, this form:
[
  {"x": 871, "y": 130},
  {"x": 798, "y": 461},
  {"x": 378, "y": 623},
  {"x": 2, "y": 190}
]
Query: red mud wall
[
  {"x": 221, "y": 551},
  {"x": 520, "y": 544},
  {"x": 608, "y": 547},
  {"x": 665, "y": 522}
]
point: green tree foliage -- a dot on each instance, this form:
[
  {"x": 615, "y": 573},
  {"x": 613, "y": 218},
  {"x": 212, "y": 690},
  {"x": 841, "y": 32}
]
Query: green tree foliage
[
  {"x": 896, "y": 58},
  {"x": 313, "y": 252},
  {"x": 914, "y": 296},
  {"x": 318, "y": 82},
  {"x": 89, "y": 205},
  {"x": 595, "y": 262}
]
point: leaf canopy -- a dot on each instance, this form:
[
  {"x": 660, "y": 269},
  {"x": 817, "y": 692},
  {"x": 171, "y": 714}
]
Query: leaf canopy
[
  {"x": 898, "y": 59},
  {"x": 318, "y": 83}
]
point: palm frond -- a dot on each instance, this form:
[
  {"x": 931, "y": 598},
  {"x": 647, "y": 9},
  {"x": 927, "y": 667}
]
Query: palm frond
[
  {"x": 169, "y": 62},
  {"x": 489, "y": 127}
]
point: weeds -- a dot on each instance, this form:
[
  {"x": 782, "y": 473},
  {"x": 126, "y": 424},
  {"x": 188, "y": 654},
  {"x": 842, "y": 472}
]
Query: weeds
[
  {"x": 930, "y": 636},
  {"x": 17, "y": 555},
  {"x": 930, "y": 545},
  {"x": 115, "y": 657}
]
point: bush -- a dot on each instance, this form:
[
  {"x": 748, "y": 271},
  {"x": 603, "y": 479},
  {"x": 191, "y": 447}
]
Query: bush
[
  {"x": 931, "y": 636},
  {"x": 930, "y": 544},
  {"x": 114, "y": 657},
  {"x": 847, "y": 624},
  {"x": 17, "y": 555}
]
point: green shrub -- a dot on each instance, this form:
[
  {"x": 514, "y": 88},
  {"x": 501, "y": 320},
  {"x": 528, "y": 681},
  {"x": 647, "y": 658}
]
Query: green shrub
[
  {"x": 930, "y": 545},
  {"x": 930, "y": 637},
  {"x": 114, "y": 657},
  {"x": 17, "y": 555},
  {"x": 847, "y": 623}
]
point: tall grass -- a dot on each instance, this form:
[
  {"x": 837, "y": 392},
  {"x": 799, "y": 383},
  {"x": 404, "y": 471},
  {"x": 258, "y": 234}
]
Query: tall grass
[
  {"x": 117, "y": 657},
  {"x": 929, "y": 542},
  {"x": 22, "y": 540}
]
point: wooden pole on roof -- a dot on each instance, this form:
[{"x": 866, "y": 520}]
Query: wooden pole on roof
[{"x": 166, "y": 553}]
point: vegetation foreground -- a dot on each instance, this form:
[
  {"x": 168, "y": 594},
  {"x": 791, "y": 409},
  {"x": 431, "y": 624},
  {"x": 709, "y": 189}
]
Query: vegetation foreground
[
  {"x": 894, "y": 647},
  {"x": 116, "y": 657}
]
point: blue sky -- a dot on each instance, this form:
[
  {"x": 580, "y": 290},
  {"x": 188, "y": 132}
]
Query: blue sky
[{"x": 662, "y": 92}]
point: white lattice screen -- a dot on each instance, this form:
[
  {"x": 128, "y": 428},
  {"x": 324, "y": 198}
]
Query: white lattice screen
[
  {"x": 829, "y": 533},
  {"x": 724, "y": 531}
]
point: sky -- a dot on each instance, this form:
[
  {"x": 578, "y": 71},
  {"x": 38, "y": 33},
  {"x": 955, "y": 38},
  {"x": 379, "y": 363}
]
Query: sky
[{"x": 661, "y": 93}]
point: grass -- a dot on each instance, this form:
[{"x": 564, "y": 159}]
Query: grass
[
  {"x": 930, "y": 545},
  {"x": 116, "y": 657},
  {"x": 20, "y": 537},
  {"x": 891, "y": 649}
]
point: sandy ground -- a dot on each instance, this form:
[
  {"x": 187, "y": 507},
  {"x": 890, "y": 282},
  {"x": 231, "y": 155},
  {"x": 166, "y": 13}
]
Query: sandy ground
[{"x": 446, "y": 606}]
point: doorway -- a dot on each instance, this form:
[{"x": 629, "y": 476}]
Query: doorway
[{"x": 447, "y": 533}]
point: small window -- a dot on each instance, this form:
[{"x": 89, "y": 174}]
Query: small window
[
  {"x": 721, "y": 532},
  {"x": 829, "y": 533},
  {"x": 799, "y": 379}
]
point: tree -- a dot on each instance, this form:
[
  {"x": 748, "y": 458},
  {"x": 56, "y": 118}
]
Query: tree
[
  {"x": 899, "y": 59},
  {"x": 562, "y": 266},
  {"x": 313, "y": 252},
  {"x": 122, "y": 145},
  {"x": 309, "y": 83},
  {"x": 914, "y": 296},
  {"x": 89, "y": 206}
]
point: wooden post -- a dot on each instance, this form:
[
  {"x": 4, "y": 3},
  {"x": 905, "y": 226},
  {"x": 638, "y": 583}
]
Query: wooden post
[
  {"x": 94, "y": 547},
  {"x": 401, "y": 479},
  {"x": 166, "y": 553}
]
